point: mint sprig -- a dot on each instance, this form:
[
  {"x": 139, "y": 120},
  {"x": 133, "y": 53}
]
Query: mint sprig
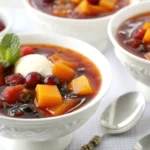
[{"x": 9, "y": 50}]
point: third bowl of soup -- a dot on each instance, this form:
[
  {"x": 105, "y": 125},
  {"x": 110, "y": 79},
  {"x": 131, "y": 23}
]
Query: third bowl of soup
[{"x": 129, "y": 31}]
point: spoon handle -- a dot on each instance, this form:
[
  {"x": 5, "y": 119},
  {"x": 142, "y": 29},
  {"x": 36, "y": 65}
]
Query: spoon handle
[{"x": 94, "y": 142}]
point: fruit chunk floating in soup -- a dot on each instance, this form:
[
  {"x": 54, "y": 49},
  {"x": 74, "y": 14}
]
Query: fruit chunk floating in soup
[
  {"x": 79, "y": 9},
  {"x": 2, "y": 26},
  {"x": 134, "y": 35},
  {"x": 38, "y": 81}
]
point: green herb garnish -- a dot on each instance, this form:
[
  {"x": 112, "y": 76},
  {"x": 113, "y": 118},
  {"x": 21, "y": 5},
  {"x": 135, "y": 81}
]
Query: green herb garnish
[{"x": 9, "y": 50}]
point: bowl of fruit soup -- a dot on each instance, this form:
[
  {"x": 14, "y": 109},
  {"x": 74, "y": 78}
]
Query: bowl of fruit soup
[
  {"x": 83, "y": 19},
  {"x": 5, "y": 22},
  {"x": 49, "y": 87},
  {"x": 130, "y": 33}
]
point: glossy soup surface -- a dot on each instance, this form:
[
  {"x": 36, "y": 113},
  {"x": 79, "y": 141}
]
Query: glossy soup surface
[
  {"x": 67, "y": 9},
  {"x": 28, "y": 106},
  {"x": 131, "y": 34}
]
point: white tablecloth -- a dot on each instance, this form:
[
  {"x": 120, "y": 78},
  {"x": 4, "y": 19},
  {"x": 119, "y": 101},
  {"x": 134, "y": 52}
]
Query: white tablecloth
[{"x": 122, "y": 83}]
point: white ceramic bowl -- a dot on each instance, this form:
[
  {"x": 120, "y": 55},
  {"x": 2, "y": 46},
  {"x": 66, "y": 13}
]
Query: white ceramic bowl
[
  {"x": 138, "y": 67},
  {"x": 53, "y": 128},
  {"x": 5, "y": 18},
  {"x": 93, "y": 31}
]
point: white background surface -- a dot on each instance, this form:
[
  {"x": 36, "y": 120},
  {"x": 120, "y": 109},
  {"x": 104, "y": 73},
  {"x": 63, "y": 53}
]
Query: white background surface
[{"x": 122, "y": 83}]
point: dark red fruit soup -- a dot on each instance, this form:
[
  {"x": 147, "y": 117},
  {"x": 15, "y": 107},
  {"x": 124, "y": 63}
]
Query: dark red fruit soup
[
  {"x": 134, "y": 35},
  {"x": 70, "y": 82},
  {"x": 79, "y": 9}
]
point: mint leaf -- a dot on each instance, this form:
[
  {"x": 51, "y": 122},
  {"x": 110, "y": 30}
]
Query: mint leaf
[
  {"x": 6, "y": 41},
  {"x": 9, "y": 49}
]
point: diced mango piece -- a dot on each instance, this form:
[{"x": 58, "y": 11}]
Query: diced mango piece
[
  {"x": 57, "y": 58},
  {"x": 63, "y": 72},
  {"x": 69, "y": 64},
  {"x": 147, "y": 56},
  {"x": 147, "y": 36},
  {"x": 76, "y": 1},
  {"x": 48, "y": 95},
  {"x": 81, "y": 86},
  {"x": 146, "y": 25},
  {"x": 63, "y": 108},
  {"x": 109, "y": 4},
  {"x": 88, "y": 9}
]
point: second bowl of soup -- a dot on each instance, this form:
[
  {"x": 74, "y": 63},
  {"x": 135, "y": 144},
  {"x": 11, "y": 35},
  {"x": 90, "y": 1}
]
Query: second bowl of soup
[{"x": 83, "y": 19}]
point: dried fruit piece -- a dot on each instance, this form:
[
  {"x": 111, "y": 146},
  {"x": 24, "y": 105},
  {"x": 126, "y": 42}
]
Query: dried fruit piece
[
  {"x": 147, "y": 36},
  {"x": 81, "y": 86},
  {"x": 109, "y": 4},
  {"x": 14, "y": 79},
  {"x": 63, "y": 108},
  {"x": 63, "y": 72},
  {"x": 146, "y": 25},
  {"x": 11, "y": 94},
  {"x": 88, "y": 9},
  {"x": 139, "y": 34},
  {"x": 26, "y": 50}
]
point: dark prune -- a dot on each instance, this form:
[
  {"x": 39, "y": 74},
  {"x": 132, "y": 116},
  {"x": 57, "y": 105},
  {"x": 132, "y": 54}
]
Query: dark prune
[
  {"x": 64, "y": 91},
  {"x": 27, "y": 109}
]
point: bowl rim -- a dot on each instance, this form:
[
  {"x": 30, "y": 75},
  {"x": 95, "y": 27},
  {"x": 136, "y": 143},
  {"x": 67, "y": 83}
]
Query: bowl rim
[
  {"x": 80, "y": 110},
  {"x": 68, "y": 20},
  {"x": 6, "y": 20},
  {"x": 113, "y": 37}
]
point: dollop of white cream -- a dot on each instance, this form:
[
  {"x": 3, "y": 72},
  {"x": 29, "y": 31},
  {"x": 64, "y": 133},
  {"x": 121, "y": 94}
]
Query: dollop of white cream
[{"x": 34, "y": 63}]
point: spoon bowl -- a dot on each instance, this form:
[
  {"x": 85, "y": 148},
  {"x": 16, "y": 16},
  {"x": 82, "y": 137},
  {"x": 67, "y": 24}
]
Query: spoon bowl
[
  {"x": 120, "y": 116},
  {"x": 143, "y": 144},
  {"x": 123, "y": 114}
]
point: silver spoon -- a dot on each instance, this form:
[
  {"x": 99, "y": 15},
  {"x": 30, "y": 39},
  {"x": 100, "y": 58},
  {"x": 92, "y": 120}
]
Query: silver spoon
[
  {"x": 143, "y": 144},
  {"x": 120, "y": 116}
]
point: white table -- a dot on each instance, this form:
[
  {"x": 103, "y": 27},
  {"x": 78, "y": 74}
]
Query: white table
[{"x": 122, "y": 83}]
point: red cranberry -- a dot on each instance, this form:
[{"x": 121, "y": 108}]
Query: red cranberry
[
  {"x": 93, "y": 2},
  {"x": 52, "y": 80},
  {"x": 11, "y": 94},
  {"x": 139, "y": 34},
  {"x": 47, "y": 1},
  {"x": 14, "y": 79},
  {"x": 26, "y": 50},
  {"x": 32, "y": 79},
  {"x": 2, "y": 27}
]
